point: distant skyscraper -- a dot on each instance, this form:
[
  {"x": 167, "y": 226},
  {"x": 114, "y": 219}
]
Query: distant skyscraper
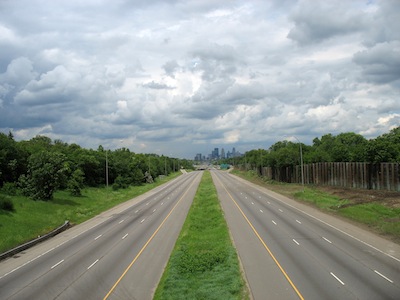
[
  {"x": 222, "y": 153},
  {"x": 215, "y": 153}
]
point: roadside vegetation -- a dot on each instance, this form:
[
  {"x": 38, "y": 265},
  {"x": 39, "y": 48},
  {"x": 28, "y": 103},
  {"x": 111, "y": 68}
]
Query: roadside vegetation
[
  {"x": 45, "y": 182},
  {"x": 344, "y": 147},
  {"x": 39, "y": 167},
  {"x": 204, "y": 264},
  {"x": 377, "y": 210},
  {"x": 24, "y": 219}
]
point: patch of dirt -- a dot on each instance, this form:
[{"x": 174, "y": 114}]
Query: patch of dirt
[{"x": 360, "y": 196}]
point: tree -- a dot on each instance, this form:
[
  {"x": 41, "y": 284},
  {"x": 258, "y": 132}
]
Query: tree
[
  {"x": 137, "y": 176},
  {"x": 75, "y": 183},
  {"x": 46, "y": 172},
  {"x": 12, "y": 159}
]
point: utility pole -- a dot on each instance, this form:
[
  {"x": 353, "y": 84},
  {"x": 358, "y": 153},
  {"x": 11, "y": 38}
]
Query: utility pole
[{"x": 106, "y": 169}]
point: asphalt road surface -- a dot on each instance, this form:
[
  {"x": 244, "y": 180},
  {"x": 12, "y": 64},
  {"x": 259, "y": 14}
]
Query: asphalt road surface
[
  {"x": 120, "y": 254},
  {"x": 292, "y": 251}
]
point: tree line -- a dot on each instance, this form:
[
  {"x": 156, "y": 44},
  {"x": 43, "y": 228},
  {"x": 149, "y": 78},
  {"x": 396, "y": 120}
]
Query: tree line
[
  {"x": 38, "y": 167},
  {"x": 344, "y": 147}
]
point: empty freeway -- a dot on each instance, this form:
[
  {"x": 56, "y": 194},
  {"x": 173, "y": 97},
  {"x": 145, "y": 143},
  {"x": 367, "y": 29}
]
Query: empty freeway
[
  {"x": 291, "y": 251},
  {"x": 120, "y": 254},
  {"x": 287, "y": 250}
]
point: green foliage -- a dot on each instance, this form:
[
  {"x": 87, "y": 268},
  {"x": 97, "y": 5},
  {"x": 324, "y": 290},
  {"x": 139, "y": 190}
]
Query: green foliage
[
  {"x": 385, "y": 148},
  {"x": 137, "y": 176},
  {"x": 120, "y": 183},
  {"x": 75, "y": 182},
  {"x": 46, "y": 172},
  {"x": 9, "y": 188},
  {"x": 6, "y": 203},
  {"x": 12, "y": 159},
  {"x": 344, "y": 147},
  {"x": 18, "y": 166}
]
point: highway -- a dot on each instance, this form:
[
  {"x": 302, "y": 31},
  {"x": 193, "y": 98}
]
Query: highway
[
  {"x": 119, "y": 254},
  {"x": 292, "y": 251}
]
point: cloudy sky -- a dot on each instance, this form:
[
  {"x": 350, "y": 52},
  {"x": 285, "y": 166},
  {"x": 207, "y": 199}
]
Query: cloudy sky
[{"x": 182, "y": 77}]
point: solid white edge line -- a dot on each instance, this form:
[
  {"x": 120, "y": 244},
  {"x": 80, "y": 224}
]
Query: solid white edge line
[
  {"x": 380, "y": 274},
  {"x": 73, "y": 237},
  {"x": 60, "y": 262},
  {"x": 329, "y": 225},
  {"x": 337, "y": 278}
]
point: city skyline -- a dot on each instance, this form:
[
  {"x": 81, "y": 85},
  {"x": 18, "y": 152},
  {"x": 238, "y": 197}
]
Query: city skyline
[{"x": 216, "y": 154}]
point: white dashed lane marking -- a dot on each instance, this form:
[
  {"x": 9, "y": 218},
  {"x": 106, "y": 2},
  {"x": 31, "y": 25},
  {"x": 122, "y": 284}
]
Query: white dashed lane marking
[
  {"x": 327, "y": 240},
  {"x": 57, "y": 264},
  {"x": 337, "y": 278},
  {"x": 383, "y": 276},
  {"x": 95, "y": 262}
]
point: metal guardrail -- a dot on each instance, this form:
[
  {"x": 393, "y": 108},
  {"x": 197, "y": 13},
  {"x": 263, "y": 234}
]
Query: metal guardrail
[{"x": 35, "y": 241}]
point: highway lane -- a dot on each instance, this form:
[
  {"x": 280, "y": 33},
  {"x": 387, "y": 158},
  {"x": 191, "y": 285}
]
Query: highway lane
[
  {"x": 119, "y": 254},
  {"x": 291, "y": 251}
]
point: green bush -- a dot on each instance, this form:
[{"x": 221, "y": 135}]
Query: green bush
[
  {"x": 120, "y": 183},
  {"x": 9, "y": 188},
  {"x": 6, "y": 203}
]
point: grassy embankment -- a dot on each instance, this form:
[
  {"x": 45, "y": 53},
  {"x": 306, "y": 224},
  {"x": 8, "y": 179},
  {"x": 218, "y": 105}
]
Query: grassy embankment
[
  {"x": 33, "y": 218},
  {"x": 203, "y": 264},
  {"x": 380, "y": 218}
]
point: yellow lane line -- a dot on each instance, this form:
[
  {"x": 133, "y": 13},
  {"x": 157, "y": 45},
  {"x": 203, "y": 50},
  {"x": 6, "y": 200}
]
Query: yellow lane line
[
  {"x": 145, "y": 245},
  {"x": 264, "y": 244}
]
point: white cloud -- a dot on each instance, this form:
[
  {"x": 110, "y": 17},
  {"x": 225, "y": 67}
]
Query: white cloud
[{"x": 175, "y": 75}]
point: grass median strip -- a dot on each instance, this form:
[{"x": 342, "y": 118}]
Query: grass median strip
[{"x": 204, "y": 264}]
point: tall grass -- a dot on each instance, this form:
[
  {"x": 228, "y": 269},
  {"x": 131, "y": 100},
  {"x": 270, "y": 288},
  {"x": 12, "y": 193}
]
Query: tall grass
[
  {"x": 30, "y": 218},
  {"x": 203, "y": 264}
]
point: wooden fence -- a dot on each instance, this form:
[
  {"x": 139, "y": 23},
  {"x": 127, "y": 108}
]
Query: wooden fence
[{"x": 383, "y": 176}]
